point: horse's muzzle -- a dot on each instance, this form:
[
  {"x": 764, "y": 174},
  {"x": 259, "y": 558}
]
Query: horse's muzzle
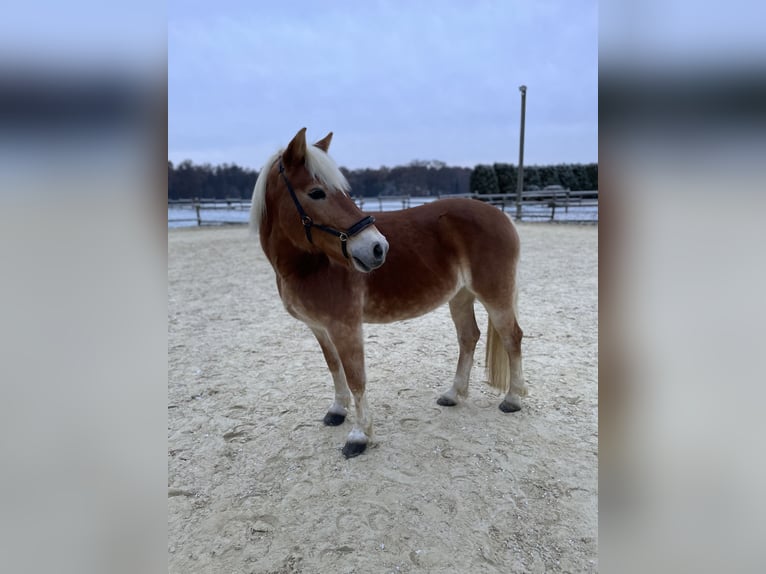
[{"x": 368, "y": 250}]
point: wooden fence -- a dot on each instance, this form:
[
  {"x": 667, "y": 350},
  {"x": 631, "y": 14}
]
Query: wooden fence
[
  {"x": 547, "y": 199},
  {"x": 541, "y": 205},
  {"x": 197, "y": 205}
]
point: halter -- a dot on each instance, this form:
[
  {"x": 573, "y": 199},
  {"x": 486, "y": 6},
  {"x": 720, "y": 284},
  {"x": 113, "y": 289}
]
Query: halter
[{"x": 308, "y": 223}]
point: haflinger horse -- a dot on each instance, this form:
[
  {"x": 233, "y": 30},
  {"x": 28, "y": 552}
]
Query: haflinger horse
[{"x": 337, "y": 268}]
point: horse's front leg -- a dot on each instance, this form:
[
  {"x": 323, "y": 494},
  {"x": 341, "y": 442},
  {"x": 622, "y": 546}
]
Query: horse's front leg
[
  {"x": 338, "y": 410},
  {"x": 349, "y": 345}
]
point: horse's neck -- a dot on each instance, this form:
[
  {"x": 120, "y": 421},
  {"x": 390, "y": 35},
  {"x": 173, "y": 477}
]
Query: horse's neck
[{"x": 288, "y": 260}]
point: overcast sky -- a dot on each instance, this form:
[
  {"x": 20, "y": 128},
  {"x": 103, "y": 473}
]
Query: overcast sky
[{"x": 395, "y": 81}]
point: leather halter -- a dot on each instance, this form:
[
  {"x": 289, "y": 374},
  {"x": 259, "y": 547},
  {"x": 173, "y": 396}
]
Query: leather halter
[{"x": 308, "y": 223}]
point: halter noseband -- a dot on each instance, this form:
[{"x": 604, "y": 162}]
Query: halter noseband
[{"x": 308, "y": 223}]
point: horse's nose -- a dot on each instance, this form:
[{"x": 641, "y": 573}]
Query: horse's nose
[{"x": 379, "y": 251}]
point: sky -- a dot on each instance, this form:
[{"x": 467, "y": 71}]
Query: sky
[{"x": 395, "y": 81}]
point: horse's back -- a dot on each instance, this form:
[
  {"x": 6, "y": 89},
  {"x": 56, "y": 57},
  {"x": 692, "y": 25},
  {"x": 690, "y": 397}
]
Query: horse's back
[
  {"x": 464, "y": 215},
  {"x": 437, "y": 249},
  {"x": 471, "y": 230},
  {"x": 486, "y": 243}
]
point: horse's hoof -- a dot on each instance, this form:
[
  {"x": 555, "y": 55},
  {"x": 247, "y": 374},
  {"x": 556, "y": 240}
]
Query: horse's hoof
[
  {"x": 333, "y": 419},
  {"x": 445, "y": 402},
  {"x": 508, "y": 407},
  {"x": 352, "y": 449}
]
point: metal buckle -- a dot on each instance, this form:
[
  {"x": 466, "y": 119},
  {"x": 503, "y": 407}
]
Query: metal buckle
[
  {"x": 306, "y": 220},
  {"x": 343, "y": 237}
]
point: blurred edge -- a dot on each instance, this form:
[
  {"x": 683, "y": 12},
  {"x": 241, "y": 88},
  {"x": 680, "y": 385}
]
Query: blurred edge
[
  {"x": 83, "y": 356},
  {"x": 682, "y": 277}
]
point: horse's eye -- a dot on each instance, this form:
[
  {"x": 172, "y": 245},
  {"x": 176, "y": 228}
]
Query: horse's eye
[{"x": 317, "y": 193}]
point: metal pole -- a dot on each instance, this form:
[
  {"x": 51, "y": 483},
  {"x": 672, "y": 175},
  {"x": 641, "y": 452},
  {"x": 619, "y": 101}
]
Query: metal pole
[{"x": 520, "y": 180}]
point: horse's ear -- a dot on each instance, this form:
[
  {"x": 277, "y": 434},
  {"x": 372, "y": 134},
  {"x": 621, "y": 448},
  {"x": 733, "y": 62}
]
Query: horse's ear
[
  {"x": 324, "y": 143},
  {"x": 295, "y": 154}
]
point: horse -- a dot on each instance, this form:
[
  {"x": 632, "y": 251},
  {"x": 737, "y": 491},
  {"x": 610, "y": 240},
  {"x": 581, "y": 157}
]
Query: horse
[{"x": 337, "y": 268}]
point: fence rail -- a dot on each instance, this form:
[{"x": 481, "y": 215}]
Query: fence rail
[
  {"x": 545, "y": 205},
  {"x": 200, "y": 207}
]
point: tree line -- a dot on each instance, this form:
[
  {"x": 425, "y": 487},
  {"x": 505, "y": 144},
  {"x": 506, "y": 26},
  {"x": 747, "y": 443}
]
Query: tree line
[
  {"x": 419, "y": 178},
  {"x": 503, "y": 177}
]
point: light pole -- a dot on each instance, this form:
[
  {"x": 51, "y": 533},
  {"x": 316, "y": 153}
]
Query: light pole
[{"x": 520, "y": 180}]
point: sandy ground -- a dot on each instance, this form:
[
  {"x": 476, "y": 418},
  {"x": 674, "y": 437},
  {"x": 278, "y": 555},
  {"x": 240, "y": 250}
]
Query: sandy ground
[{"x": 256, "y": 483}]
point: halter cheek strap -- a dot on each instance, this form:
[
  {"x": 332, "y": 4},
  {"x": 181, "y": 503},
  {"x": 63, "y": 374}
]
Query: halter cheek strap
[{"x": 308, "y": 223}]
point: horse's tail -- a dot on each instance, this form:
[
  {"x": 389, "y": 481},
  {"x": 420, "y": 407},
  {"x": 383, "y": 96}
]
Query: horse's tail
[
  {"x": 496, "y": 359},
  {"x": 498, "y": 364}
]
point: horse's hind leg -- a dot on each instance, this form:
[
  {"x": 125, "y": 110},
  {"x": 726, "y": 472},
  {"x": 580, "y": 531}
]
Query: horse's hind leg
[
  {"x": 339, "y": 408},
  {"x": 461, "y": 309}
]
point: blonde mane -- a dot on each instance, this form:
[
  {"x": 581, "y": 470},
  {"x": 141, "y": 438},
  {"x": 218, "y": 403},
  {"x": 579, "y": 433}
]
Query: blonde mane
[{"x": 319, "y": 165}]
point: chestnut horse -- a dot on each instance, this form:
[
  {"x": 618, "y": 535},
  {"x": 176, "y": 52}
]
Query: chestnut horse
[{"x": 337, "y": 268}]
